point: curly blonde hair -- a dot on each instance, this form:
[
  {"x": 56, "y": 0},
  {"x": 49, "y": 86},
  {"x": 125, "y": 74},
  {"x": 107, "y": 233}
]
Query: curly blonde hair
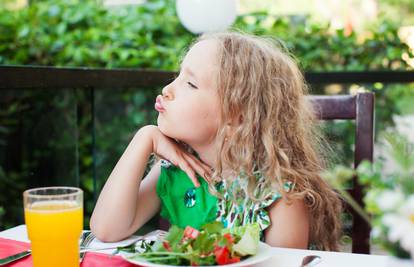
[{"x": 262, "y": 89}]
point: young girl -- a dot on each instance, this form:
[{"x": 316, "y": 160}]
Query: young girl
[{"x": 235, "y": 132}]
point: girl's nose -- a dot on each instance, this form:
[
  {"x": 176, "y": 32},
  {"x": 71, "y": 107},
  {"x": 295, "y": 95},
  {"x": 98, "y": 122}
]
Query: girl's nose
[{"x": 167, "y": 92}]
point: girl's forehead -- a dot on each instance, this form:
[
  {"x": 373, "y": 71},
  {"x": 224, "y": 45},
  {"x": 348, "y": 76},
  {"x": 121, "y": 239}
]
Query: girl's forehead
[{"x": 202, "y": 57}]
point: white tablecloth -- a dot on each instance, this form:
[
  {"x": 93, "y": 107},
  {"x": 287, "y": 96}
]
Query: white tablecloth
[{"x": 282, "y": 257}]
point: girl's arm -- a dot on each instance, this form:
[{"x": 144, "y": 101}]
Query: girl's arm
[
  {"x": 115, "y": 210},
  {"x": 125, "y": 204},
  {"x": 289, "y": 225}
]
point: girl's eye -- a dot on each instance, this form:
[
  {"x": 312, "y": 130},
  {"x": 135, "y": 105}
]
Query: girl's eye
[{"x": 192, "y": 85}]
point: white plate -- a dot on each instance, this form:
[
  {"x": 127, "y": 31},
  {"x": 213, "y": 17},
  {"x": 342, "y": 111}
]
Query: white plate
[{"x": 264, "y": 253}]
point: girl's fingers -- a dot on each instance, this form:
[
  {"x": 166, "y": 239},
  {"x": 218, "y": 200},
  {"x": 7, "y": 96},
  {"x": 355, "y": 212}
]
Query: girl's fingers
[
  {"x": 207, "y": 168},
  {"x": 198, "y": 162},
  {"x": 198, "y": 167},
  {"x": 185, "y": 166}
]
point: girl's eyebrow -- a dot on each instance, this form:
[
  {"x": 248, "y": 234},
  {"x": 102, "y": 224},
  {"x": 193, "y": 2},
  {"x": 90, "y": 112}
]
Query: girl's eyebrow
[{"x": 187, "y": 70}]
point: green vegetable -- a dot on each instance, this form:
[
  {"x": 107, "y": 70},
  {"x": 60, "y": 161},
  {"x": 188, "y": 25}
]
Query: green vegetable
[
  {"x": 212, "y": 245},
  {"x": 249, "y": 243}
]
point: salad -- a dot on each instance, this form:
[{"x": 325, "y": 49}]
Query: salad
[{"x": 211, "y": 245}]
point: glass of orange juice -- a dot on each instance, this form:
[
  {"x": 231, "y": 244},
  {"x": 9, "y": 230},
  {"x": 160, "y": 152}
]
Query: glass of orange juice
[{"x": 54, "y": 220}]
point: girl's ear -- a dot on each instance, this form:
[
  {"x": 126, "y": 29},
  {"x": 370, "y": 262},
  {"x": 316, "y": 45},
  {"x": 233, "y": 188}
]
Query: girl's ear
[
  {"x": 236, "y": 121},
  {"x": 232, "y": 124},
  {"x": 229, "y": 130}
]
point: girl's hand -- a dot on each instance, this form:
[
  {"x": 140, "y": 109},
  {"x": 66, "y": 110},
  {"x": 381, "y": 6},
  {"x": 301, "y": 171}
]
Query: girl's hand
[{"x": 167, "y": 148}]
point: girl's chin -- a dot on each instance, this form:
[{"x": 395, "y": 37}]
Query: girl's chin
[
  {"x": 171, "y": 132},
  {"x": 165, "y": 131},
  {"x": 171, "y": 135},
  {"x": 161, "y": 124}
]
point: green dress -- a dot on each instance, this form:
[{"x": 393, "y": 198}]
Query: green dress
[{"x": 183, "y": 204}]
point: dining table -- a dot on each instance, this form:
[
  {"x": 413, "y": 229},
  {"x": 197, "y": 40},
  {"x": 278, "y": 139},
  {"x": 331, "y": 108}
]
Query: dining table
[{"x": 15, "y": 240}]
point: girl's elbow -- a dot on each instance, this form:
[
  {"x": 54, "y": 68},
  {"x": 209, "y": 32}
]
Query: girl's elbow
[
  {"x": 101, "y": 232},
  {"x": 301, "y": 243}
]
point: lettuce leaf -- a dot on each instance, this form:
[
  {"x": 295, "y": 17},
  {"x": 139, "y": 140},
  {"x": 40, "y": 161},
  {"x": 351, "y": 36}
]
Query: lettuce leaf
[{"x": 250, "y": 237}]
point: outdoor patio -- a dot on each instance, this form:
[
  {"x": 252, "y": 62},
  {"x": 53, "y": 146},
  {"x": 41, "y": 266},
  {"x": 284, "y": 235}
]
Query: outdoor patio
[{"x": 79, "y": 78}]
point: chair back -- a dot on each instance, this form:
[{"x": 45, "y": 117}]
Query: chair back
[{"x": 359, "y": 107}]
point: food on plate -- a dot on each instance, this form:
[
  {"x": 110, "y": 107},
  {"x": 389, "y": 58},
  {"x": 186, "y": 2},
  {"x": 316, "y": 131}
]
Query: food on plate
[{"x": 211, "y": 245}]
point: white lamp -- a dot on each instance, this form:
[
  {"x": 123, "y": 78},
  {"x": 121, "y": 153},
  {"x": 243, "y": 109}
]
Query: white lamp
[{"x": 199, "y": 16}]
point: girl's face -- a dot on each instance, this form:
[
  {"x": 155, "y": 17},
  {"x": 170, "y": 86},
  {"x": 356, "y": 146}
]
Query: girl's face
[{"x": 189, "y": 107}]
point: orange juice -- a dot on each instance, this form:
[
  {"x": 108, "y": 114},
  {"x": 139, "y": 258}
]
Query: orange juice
[{"x": 54, "y": 228}]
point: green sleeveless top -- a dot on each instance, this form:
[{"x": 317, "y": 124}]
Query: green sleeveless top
[{"x": 183, "y": 204}]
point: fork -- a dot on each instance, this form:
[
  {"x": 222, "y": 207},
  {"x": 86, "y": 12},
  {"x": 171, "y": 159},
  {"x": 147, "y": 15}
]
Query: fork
[
  {"x": 88, "y": 237},
  {"x": 159, "y": 233},
  {"x": 88, "y": 240}
]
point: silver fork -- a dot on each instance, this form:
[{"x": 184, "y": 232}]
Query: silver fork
[
  {"x": 159, "y": 234},
  {"x": 86, "y": 241}
]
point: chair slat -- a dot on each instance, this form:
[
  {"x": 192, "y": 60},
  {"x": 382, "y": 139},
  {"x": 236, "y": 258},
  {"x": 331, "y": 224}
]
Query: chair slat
[{"x": 334, "y": 107}]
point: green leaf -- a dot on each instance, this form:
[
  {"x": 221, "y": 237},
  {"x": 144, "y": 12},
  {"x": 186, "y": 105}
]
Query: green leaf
[
  {"x": 174, "y": 236},
  {"x": 213, "y": 227},
  {"x": 249, "y": 242},
  {"x": 203, "y": 243}
]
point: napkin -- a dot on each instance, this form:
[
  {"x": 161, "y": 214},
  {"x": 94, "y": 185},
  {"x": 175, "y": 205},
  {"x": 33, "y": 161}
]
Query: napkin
[
  {"x": 139, "y": 241},
  {"x": 9, "y": 247}
]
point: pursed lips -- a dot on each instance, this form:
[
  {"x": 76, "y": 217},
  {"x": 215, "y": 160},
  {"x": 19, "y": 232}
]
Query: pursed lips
[{"x": 158, "y": 104}]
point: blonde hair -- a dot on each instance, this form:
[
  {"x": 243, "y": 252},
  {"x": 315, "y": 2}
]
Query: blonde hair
[{"x": 262, "y": 90}]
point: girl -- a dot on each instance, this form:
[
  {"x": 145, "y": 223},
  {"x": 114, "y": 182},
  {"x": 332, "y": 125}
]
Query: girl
[{"x": 237, "y": 125}]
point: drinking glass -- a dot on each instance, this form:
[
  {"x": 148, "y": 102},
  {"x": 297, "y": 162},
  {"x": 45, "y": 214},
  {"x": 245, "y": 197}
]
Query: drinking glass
[{"x": 54, "y": 220}]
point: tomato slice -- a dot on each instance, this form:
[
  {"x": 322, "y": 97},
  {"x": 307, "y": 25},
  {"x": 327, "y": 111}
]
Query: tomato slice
[
  {"x": 190, "y": 232},
  {"x": 229, "y": 237},
  {"x": 222, "y": 255},
  {"x": 166, "y": 245},
  {"x": 234, "y": 260}
]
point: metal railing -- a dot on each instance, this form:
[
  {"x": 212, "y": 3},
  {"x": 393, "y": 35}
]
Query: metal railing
[{"x": 91, "y": 79}]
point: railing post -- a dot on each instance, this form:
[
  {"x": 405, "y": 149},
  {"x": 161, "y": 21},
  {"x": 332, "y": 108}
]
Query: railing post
[{"x": 93, "y": 138}]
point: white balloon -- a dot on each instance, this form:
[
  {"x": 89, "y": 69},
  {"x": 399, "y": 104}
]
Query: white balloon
[{"x": 199, "y": 16}]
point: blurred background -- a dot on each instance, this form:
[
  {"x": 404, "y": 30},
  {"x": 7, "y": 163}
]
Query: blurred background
[{"x": 75, "y": 136}]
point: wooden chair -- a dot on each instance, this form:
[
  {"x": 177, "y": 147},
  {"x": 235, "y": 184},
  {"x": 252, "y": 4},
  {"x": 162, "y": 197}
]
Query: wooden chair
[
  {"x": 361, "y": 109},
  {"x": 346, "y": 107}
]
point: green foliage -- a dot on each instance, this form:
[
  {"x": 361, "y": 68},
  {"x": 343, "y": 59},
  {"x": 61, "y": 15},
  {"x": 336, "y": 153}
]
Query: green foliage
[
  {"x": 373, "y": 175},
  {"x": 320, "y": 49},
  {"x": 84, "y": 33},
  {"x": 398, "y": 10},
  {"x": 388, "y": 192},
  {"x": 38, "y": 150}
]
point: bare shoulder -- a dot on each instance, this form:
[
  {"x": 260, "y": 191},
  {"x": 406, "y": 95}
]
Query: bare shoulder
[
  {"x": 289, "y": 224},
  {"x": 292, "y": 206}
]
